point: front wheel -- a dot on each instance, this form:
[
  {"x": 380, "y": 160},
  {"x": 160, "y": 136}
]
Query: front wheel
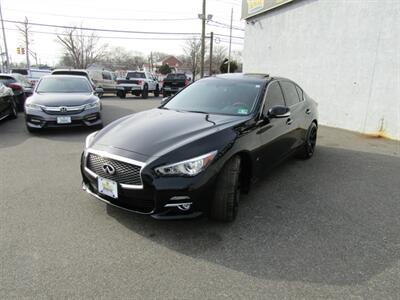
[
  {"x": 224, "y": 206},
  {"x": 307, "y": 150},
  {"x": 14, "y": 110}
]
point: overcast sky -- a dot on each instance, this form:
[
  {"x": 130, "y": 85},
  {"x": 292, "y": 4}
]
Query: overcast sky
[{"x": 119, "y": 15}]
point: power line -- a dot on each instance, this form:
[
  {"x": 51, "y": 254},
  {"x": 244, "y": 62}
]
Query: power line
[
  {"x": 114, "y": 30},
  {"x": 129, "y": 38}
]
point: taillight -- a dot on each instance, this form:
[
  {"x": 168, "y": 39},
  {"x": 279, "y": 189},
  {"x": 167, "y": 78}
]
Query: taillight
[
  {"x": 15, "y": 86},
  {"x": 186, "y": 82},
  {"x": 140, "y": 82}
]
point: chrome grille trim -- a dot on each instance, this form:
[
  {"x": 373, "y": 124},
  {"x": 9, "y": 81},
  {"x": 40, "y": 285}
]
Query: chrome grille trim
[
  {"x": 68, "y": 109},
  {"x": 118, "y": 158}
]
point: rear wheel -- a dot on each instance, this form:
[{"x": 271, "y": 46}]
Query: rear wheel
[
  {"x": 157, "y": 92},
  {"x": 145, "y": 92},
  {"x": 224, "y": 206},
  {"x": 121, "y": 94},
  {"x": 308, "y": 149}
]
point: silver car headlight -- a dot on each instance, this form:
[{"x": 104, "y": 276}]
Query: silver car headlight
[
  {"x": 92, "y": 105},
  {"x": 89, "y": 139},
  {"x": 33, "y": 106},
  {"x": 190, "y": 167}
]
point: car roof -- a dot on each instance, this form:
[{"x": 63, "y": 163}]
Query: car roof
[
  {"x": 70, "y": 70},
  {"x": 262, "y": 77},
  {"x": 64, "y": 76},
  {"x": 11, "y": 75}
]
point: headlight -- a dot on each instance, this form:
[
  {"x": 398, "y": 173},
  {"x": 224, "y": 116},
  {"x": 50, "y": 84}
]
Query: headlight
[
  {"x": 89, "y": 139},
  {"x": 92, "y": 105},
  {"x": 33, "y": 106},
  {"x": 190, "y": 167}
]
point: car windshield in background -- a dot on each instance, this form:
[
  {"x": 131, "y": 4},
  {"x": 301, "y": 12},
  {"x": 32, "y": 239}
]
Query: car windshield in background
[
  {"x": 217, "y": 96},
  {"x": 176, "y": 76},
  {"x": 64, "y": 85},
  {"x": 135, "y": 75}
]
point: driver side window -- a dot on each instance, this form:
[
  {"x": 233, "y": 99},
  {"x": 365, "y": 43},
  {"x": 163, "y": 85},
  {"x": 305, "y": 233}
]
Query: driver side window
[{"x": 274, "y": 97}]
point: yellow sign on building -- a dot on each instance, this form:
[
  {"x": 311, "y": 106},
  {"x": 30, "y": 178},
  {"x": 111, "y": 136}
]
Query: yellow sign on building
[{"x": 251, "y": 8}]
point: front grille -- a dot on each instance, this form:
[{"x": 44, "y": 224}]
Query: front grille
[
  {"x": 68, "y": 110},
  {"x": 125, "y": 173}
]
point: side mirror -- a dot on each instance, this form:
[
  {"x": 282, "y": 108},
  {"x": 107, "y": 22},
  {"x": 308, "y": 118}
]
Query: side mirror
[
  {"x": 165, "y": 100},
  {"x": 279, "y": 112},
  {"x": 98, "y": 91}
]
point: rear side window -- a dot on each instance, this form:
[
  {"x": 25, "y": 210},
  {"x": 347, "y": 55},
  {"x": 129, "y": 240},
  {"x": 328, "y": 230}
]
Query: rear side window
[
  {"x": 290, "y": 93},
  {"x": 274, "y": 96},
  {"x": 300, "y": 93},
  {"x": 106, "y": 76}
]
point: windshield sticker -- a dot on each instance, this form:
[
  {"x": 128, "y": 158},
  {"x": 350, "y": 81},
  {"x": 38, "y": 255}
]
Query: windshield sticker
[{"x": 243, "y": 111}]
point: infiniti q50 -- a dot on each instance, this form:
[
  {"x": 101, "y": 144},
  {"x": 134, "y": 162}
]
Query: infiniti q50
[{"x": 199, "y": 150}]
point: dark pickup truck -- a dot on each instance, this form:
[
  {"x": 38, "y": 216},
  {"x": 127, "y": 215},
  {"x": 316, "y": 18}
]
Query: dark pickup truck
[{"x": 173, "y": 83}]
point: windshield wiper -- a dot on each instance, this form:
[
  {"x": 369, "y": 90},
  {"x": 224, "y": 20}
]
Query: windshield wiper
[{"x": 198, "y": 111}]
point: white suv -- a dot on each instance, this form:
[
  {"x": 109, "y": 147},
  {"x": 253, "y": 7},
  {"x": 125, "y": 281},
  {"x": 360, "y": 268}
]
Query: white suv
[{"x": 138, "y": 83}]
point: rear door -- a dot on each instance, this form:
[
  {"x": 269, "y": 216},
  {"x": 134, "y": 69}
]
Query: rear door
[
  {"x": 295, "y": 122},
  {"x": 4, "y": 105},
  {"x": 273, "y": 132}
]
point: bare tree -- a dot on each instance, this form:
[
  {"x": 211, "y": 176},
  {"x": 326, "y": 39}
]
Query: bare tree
[
  {"x": 219, "y": 54},
  {"x": 118, "y": 58},
  {"x": 81, "y": 48},
  {"x": 193, "y": 54}
]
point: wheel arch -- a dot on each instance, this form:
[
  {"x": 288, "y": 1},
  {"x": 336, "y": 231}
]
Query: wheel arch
[{"x": 246, "y": 170}]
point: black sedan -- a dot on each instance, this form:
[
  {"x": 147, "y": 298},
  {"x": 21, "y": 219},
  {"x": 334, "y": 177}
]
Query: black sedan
[
  {"x": 201, "y": 148},
  {"x": 63, "y": 101},
  {"x": 8, "y": 105},
  {"x": 20, "y": 86}
]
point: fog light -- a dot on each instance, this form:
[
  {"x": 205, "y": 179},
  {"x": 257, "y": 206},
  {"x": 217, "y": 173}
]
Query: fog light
[{"x": 185, "y": 206}]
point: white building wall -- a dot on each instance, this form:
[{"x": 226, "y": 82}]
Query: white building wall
[{"x": 344, "y": 53}]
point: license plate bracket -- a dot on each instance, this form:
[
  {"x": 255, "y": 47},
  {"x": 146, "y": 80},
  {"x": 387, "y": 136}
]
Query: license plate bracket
[
  {"x": 64, "y": 120},
  {"x": 107, "y": 187}
]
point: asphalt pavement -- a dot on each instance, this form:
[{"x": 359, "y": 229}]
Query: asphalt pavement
[{"x": 324, "y": 228}]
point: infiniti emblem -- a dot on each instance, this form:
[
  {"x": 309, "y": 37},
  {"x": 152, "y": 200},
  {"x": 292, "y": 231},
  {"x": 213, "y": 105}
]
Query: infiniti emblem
[
  {"x": 63, "y": 109},
  {"x": 108, "y": 169}
]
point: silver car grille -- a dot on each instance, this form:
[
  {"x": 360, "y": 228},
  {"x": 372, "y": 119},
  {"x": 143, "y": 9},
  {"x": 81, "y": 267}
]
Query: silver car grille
[{"x": 125, "y": 173}]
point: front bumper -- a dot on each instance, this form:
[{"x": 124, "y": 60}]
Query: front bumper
[
  {"x": 40, "y": 119},
  {"x": 160, "y": 197}
]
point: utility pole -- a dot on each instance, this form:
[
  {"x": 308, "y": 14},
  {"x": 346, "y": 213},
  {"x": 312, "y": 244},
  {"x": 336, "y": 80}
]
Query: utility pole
[
  {"x": 230, "y": 43},
  {"x": 26, "y": 35},
  {"x": 203, "y": 44},
  {"x": 5, "y": 42},
  {"x": 211, "y": 50}
]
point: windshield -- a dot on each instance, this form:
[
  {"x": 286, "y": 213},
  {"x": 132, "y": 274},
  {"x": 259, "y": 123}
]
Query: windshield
[
  {"x": 135, "y": 75},
  {"x": 218, "y": 96},
  {"x": 64, "y": 85}
]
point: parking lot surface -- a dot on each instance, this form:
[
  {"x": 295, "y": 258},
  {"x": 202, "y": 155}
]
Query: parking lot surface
[{"x": 324, "y": 228}]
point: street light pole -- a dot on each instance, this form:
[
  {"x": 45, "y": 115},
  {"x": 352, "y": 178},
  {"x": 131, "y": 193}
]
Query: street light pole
[
  {"x": 203, "y": 43},
  {"x": 211, "y": 51},
  {"x": 5, "y": 41},
  {"x": 230, "y": 43}
]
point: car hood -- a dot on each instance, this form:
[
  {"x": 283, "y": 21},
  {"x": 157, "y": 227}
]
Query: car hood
[
  {"x": 158, "y": 131},
  {"x": 65, "y": 99}
]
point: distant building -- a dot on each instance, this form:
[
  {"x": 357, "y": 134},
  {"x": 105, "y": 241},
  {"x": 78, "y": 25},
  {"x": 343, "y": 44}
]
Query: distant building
[
  {"x": 345, "y": 54},
  {"x": 171, "y": 61}
]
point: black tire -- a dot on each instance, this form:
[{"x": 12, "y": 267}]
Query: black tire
[
  {"x": 145, "y": 92},
  {"x": 307, "y": 150},
  {"x": 13, "y": 110},
  {"x": 121, "y": 95},
  {"x": 157, "y": 92},
  {"x": 224, "y": 206},
  {"x": 21, "y": 103},
  {"x": 165, "y": 95}
]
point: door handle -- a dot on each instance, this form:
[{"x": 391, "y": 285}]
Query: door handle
[
  {"x": 289, "y": 121},
  {"x": 308, "y": 111}
]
